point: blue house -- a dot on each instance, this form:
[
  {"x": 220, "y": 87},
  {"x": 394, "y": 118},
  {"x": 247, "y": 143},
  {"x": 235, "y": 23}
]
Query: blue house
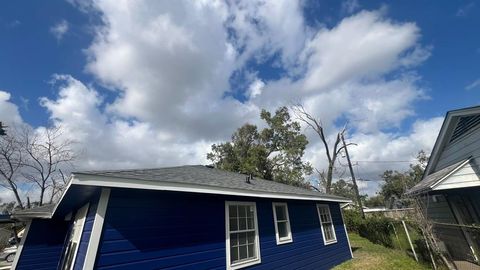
[{"x": 188, "y": 217}]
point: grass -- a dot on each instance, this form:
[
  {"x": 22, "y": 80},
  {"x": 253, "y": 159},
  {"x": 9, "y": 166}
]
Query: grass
[{"x": 368, "y": 255}]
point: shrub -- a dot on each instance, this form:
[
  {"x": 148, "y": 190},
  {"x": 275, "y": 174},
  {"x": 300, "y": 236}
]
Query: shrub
[
  {"x": 353, "y": 219},
  {"x": 377, "y": 229}
]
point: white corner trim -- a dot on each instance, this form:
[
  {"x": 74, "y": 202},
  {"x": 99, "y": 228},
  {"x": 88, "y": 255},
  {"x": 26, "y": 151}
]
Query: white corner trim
[
  {"x": 20, "y": 246},
  {"x": 289, "y": 238},
  {"x": 102, "y": 181},
  {"x": 450, "y": 174},
  {"x": 346, "y": 233},
  {"x": 97, "y": 229}
]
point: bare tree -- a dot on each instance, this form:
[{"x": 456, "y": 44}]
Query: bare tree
[
  {"x": 10, "y": 164},
  {"x": 59, "y": 182},
  {"x": 46, "y": 151},
  {"x": 331, "y": 153}
]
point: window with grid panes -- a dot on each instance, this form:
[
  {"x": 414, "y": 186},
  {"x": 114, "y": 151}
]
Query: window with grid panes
[
  {"x": 282, "y": 223},
  {"x": 243, "y": 234},
  {"x": 326, "y": 223}
]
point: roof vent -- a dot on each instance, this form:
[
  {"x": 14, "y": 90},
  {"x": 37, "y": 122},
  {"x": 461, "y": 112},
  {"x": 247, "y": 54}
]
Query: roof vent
[{"x": 248, "y": 178}]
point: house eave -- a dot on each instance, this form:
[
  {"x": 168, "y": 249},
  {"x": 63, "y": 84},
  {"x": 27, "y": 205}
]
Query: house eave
[
  {"x": 103, "y": 181},
  {"x": 434, "y": 186}
]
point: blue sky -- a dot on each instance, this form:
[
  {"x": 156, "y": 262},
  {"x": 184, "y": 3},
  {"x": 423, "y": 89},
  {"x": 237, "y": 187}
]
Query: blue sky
[{"x": 181, "y": 76}]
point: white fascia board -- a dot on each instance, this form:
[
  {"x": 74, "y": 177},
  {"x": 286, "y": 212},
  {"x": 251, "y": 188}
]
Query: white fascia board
[
  {"x": 31, "y": 216},
  {"x": 103, "y": 181},
  {"x": 63, "y": 196},
  {"x": 439, "y": 144}
]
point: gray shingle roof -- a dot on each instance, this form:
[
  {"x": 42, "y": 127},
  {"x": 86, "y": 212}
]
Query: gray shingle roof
[
  {"x": 428, "y": 181},
  {"x": 210, "y": 177}
]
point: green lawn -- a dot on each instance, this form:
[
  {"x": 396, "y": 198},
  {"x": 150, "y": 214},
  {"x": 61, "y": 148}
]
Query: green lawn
[{"x": 368, "y": 255}]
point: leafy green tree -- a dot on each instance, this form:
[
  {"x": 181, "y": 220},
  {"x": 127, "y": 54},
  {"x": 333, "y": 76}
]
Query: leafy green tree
[
  {"x": 374, "y": 201},
  {"x": 397, "y": 183},
  {"x": 273, "y": 153},
  {"x": 344, "y": 189}
]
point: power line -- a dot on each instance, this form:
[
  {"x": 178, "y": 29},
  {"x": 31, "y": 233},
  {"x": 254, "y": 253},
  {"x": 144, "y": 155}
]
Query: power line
[{"x": 385, "y": 161}]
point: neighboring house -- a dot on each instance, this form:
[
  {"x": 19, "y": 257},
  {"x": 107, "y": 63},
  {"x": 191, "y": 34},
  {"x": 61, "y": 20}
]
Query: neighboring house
[
  {"x": 450, "y": 190},
  {"x": 350, "y": 206},
  {"x": 189, "y": 217}
]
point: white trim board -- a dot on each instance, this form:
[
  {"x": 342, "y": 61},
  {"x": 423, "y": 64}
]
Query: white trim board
[
  {"x": 102, "y": 181},
  {"x": 94, "y": 241},
  {"x": 20, "y": 246},
  {"x": 346, "y": 233},
  {"x": 63, "y": 195}
]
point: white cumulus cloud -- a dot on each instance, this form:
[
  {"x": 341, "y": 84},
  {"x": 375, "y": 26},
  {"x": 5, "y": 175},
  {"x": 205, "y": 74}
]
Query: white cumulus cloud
[
  {"x": 169, "y": 66},
  {"x": 59, "y": 29}
]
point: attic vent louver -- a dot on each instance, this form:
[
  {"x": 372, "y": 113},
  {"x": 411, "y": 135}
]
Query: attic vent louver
[{"x": 464, "y": 125}]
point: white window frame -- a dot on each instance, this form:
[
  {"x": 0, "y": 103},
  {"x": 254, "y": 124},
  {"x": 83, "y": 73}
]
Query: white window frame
[
  {"x": 326, "y": 206},
  {"x": 245, "y": 263},
  {"x": 288, "y": 238}
]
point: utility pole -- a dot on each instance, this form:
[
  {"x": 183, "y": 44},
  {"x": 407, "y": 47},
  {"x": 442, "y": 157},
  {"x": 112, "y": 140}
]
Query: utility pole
[{"x": 353, "y": 178}]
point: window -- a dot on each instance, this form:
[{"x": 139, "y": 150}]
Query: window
[
  {"x": 282, "y": 223},
  {"x": 326, "y": 224},
  {"x": 241, "y": 234},
  {"x": 74, "y": 239}
]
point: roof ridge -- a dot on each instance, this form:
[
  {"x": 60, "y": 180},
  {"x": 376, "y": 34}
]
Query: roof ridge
[
  {"x": 135, "y": 169},
  {"x": 207, "y": 176}
]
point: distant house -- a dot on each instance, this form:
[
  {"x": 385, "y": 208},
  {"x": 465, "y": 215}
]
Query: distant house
[
  {"x": 189, "y": 217},
  {"x": 450, "y": 190},
  {"x": 350, "y": 206}
]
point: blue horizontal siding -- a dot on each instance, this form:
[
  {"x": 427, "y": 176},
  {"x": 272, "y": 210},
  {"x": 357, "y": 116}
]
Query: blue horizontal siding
[
  {"x": 46, "y": 238},
  {"x": 44, "y": 244},
  {"x": 171, "y": 230}
]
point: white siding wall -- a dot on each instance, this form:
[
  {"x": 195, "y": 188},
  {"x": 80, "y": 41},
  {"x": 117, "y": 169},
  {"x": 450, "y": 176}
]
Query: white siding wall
[{"x": 466, "y": 176}]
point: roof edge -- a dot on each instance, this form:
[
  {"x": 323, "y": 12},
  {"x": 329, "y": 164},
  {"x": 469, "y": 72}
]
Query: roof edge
[
  {"x": 444, "y": 132},
  {"x": 439, "y": 181},
  {"x": 105, "y": 181}
]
